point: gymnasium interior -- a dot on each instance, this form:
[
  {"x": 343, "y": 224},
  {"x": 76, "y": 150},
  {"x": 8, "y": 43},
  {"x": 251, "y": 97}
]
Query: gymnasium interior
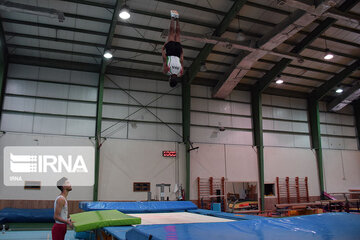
[{"x": 259, "y": 139}]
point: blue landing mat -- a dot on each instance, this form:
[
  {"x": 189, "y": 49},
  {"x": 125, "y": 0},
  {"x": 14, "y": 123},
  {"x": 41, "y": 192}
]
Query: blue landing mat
[
  {"x": 118, "y": 232},
  {"x": 139, "y": 207},
  {"x": 329, "y": 226}
]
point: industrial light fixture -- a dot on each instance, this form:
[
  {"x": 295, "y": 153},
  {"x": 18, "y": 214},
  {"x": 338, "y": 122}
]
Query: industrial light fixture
[
  {"x": 203, "y": 67},
  {"x": 279, "y": 80},
  {"x": 240, "y": 35},
  {"x": 328, "y": 55},
  {"x": 339, "y": 90},
  {"x": 108, "y": 54},
  {"x": 124, "y": 12}
]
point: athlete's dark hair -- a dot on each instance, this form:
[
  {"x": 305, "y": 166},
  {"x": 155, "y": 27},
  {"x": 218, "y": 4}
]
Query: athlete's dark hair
[{"x": 173, "y": 80}]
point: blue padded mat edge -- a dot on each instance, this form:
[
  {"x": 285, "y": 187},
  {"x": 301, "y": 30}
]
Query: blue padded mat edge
[
  {"x": 139, "y": 207},
  {"x": 332, "y": 226},
  {"x": 225, "y": 215},
  {"x": 118, "y": 232},
  {"x": 22, "y": 215}
]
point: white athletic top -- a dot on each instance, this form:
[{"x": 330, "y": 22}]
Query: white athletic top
[
  {"x": 64, "y": 210},
  {"x": 174, "y": 65}
]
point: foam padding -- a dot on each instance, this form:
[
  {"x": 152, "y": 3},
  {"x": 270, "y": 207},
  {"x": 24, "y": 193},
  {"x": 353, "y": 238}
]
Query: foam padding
[
  {"x": 334, "y": 226},
  {"x": 97, "y": 219},
  {"x": 139, "y": 207},
  {"x": 21, "y": 215}
]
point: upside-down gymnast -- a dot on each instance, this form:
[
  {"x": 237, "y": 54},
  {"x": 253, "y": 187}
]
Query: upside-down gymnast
[{"x": 172, "y": 52}]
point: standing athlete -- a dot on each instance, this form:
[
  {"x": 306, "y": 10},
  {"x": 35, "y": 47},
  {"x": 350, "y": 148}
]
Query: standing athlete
[
  {"x": 172, "y": 52},
  {"x": 58, "y": 231}
]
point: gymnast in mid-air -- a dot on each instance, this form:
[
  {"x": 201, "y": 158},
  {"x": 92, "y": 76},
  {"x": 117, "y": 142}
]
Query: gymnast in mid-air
[{"x": 172, "y": 52}]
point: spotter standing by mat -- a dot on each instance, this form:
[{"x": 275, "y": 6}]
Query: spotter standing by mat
[
  {"x": 172, "y": 52},
  {"x": 58, "y": 231}
]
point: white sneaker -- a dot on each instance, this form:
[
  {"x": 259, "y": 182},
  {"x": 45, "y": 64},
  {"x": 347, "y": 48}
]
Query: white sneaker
[{"x": 174, "y": 14}]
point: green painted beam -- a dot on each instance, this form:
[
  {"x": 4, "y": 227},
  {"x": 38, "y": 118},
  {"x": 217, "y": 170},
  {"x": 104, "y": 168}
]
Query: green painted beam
[
  {"x": 356, "y": 106},
  {"x": 315, "y": 135},
  {"x": 3, "y": 65},
  {"x": 256, "y": 106},
  {"x": 321, "y": 91},
  {"x": 100, "y": 95},
  {"x": 206, "y": 50},
  {"x": 190, "y": 76}
]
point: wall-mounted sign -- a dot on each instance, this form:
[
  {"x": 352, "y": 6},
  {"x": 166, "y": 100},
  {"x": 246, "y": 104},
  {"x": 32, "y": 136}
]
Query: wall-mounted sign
[{"x": 169, "y": 153}]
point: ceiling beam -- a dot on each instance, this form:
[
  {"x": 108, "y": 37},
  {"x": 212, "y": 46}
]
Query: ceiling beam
[
  {"x": 321, "y": 91},
  {"x": 206, "y": 50},
  {"x": 283, "y": 63},
  {"x": 345, "y": 98},
  {"x": 298, "y": 20}
]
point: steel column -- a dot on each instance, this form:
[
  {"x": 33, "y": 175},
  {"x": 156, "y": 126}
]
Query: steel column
[
  {"x": 258, "y": 141},
  {"x": 314, "y": 120}
]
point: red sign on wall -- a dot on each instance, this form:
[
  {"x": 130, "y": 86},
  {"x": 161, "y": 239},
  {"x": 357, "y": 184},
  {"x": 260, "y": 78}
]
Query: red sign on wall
[{"x": 169, "y": 153}]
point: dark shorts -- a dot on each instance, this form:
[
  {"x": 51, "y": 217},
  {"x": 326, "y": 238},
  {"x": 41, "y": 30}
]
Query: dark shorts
[
  {"x": 173, "y": 49},
  {"x": 58, "y": 231}
]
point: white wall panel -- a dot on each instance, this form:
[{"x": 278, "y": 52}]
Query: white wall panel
[
  {"x": 83, "y": 93},
  {"x": 219, "y": 120},
  {"x": 123, "y": 163},
  {"x": 282, "y": 113},
  {"x": 142, "y": 84},
  {"x": 80, "y": 127},
  {"x": 19, "y": 103},
  {"x": 172, "y": 116},
  {"x": 348, "y": 131},
  {"x": 336, "y": 143},
  {"x": 169, "y": 101},
  {"x": 348, "y": 120},
  {"x": 114, "y": 111},
  {"x": 213, "y": 135},
  {"x": 115, "y": 96},
  {"x": 207, "y": 161},
  {"x": 84, "y": 78},
  {"x": 291, "y": 162},
  {"x": 59, "y": 75},
  {"x": 200, "y": 104},
  {"x": 241, "y": 122},
  {"x": 17, "y": 122},
  {"x": 121, "y": 81},
  {"x": 350, "y": 144},
  {"x": 219, "y": 106},
  {"x": 199, "y": 91},
  {"x": 241, "y": 164},
  {"x": 145, "y": 131},
  {"x": 114, "y": 129},
  {"x": 164, "y": 133},
  {"x": 298, "y": 103},
  {"x": 52, "y": 90},
  {"x": 282, "y": 125},
  {"x": 267, "y": 112},
  {"x": 278, "y": 139},
  {"x": 82, "y": 109},
  {"x": 199, "y": 118},
  {"x": 50, "y": 106},
  {"x": 280, "y": 101},
  {"x": 23, "y": 71},
  {"x": 49, "y": 125},
  {"x": 241, "y": 109},
  {"x": 300, "y": 127},
  {"x": 300, "y": 115},
  {"x": 21, "y": 87},
  {"x": 302, "y": 141}
]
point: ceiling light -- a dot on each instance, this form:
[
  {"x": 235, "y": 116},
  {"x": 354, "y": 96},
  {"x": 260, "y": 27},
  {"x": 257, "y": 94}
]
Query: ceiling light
[
  {"x": 328, "y": 55},
  {"x": 339, "y": 90},
  {"x": 108, "y": 55},
  {"x": 241, "y": 36},
  {"x": 124, "y": 12},
  {"x": 279, "y": 80}
]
